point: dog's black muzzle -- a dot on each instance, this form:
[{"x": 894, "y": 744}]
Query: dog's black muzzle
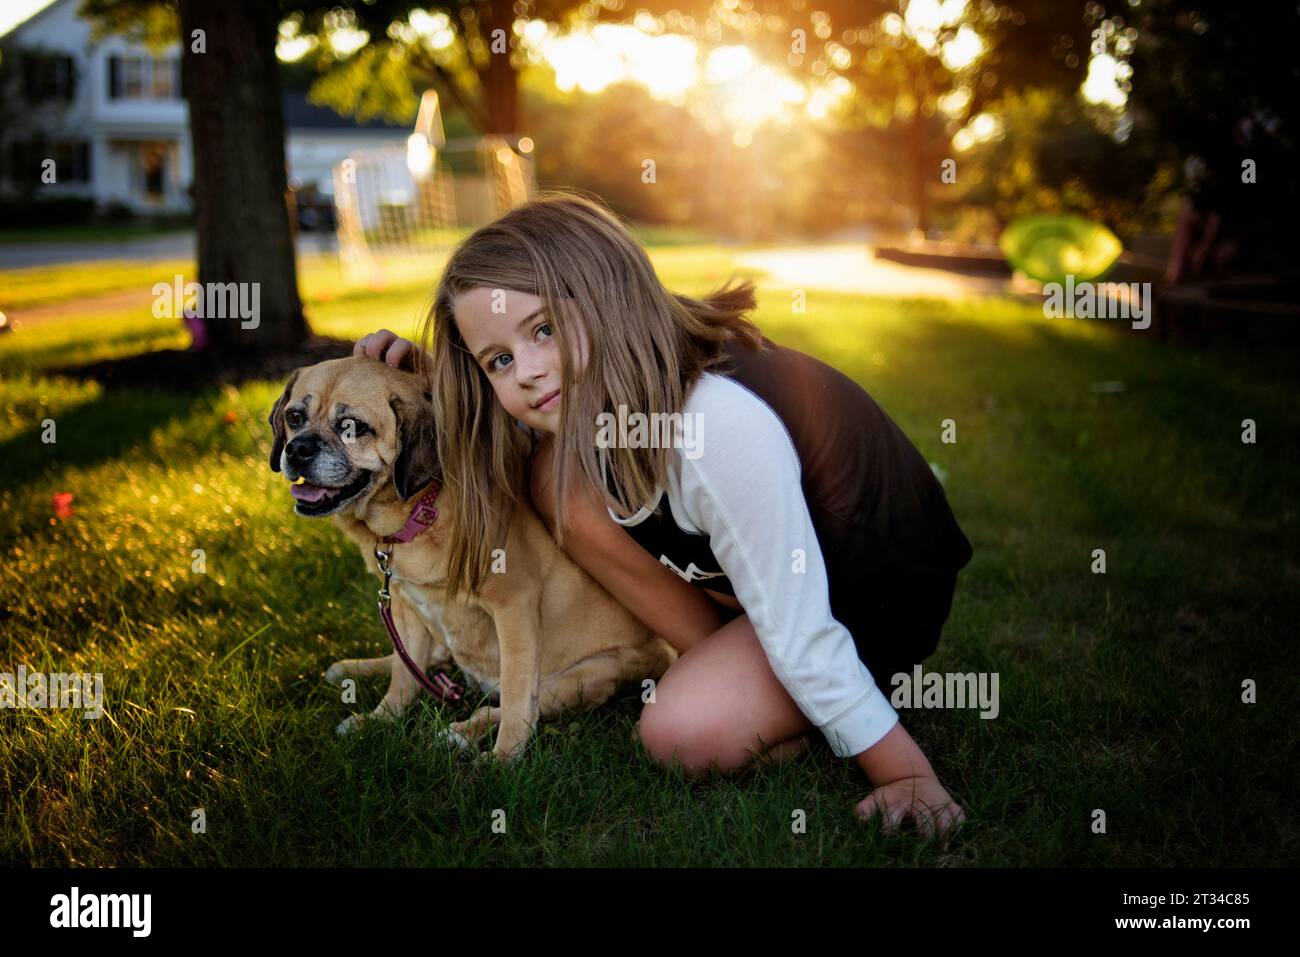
[{"x": 301, "y": 450}]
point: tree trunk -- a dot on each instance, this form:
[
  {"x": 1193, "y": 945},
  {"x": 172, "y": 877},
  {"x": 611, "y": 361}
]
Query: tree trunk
[
  {"x": 237, "y": 132},
  {"x": 499, "y": 78},
  {"x": 920, "y": 171}
]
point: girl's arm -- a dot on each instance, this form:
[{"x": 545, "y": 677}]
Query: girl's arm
[
  {"x": 675, "y": 610},
  {"x": 906, "y": 786},
  {"x": 745, "y": 492}
]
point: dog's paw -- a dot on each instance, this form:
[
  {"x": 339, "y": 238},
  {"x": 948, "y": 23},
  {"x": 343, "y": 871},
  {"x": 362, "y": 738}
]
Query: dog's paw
[
  {"x": 453, "y": 738},
  {"x": 507, "y": 758},
  {"x": 335, "y": 673},
  {"x": 349, "y": 724}
]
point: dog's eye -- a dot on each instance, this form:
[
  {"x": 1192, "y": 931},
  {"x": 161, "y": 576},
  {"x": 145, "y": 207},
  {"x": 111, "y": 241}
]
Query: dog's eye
[
  {"x": 352, "y": 427},
  {"x": 293, "y": 418}
]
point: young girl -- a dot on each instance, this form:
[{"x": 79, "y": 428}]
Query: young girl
[{"x": 790, "y": 542}]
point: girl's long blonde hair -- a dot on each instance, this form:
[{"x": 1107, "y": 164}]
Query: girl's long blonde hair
[{"x": 647, "y": 347}]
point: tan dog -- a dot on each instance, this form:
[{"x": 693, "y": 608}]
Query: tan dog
[{"x": 545, "y": 633}]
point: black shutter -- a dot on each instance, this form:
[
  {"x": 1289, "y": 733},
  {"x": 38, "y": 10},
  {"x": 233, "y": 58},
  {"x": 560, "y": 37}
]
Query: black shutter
[
  {"x": 83, "y": 162},
  {"x": 31, "y": 78},
  {"x": 114, "y": 70},
  {"x": 67, "y": 86},
  {"x": 22, "y": 169},
  {"x": 26, "y": 169}
]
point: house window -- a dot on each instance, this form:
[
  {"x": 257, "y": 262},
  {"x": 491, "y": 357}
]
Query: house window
[
  {"x": 133, "y": 69},
  {"x": 163, "y": 74},
  {"x": 142, "y": 78},
  {"x": 47, "y": 77},
  {"x": 71, "y": 161}
]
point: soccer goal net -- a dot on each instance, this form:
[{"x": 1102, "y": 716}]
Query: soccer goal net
[{"x": 396, "y": 205}]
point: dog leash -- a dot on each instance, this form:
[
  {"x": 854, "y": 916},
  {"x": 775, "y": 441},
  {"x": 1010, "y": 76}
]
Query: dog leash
[{"x": 422, "y": 516}]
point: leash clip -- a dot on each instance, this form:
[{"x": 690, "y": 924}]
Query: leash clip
[{"x": 383, "y": 557}]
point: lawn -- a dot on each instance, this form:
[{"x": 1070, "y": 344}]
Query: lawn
[{"x": 1119, "y": 691}]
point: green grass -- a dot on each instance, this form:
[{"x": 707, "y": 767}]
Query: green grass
[
  {"x": 320, "y": 279},
  {"x": 49, "y": 285},
  {"x": 1119, "y": 692}
]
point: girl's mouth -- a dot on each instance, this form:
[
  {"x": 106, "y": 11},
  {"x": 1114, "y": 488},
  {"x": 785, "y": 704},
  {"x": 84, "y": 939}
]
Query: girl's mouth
[{"x": 548, "y": 402}]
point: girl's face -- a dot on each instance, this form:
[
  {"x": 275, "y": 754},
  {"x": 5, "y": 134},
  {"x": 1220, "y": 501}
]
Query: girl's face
[{"x": 510, "y": 336}]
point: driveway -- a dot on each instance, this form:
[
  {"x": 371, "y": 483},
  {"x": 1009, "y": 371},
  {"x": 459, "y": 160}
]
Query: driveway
[{"x": 851, "y": 267}]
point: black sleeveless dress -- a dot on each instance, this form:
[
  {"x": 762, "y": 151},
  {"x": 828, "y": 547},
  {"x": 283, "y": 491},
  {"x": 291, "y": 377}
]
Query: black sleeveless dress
[{"x": 891, "y": 545}]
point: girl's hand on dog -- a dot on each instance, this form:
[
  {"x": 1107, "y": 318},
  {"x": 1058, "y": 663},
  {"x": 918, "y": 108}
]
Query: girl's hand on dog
[
  {"x": 387, "y": 346},
  {"x": 921, "y": 798}
]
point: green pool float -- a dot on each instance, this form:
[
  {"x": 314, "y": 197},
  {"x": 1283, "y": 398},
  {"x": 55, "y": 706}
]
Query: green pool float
[{"x": 1049, "y": 248}]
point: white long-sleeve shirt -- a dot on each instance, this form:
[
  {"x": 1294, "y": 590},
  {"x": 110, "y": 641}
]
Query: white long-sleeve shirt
[{"x": 743, "y": 492}]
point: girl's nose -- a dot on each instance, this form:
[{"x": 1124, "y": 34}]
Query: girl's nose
[{"x": 529, "y": 366}]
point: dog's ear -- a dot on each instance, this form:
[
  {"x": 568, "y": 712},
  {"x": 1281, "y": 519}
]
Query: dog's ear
[
  {"x": 417, "y": 459},
  {"x": 277, "y": 422}
]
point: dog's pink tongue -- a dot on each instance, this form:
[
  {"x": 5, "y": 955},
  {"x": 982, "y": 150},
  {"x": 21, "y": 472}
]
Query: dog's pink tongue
[{"x": 306, "y": 492}]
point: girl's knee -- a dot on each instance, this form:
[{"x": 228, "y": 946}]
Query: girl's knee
[
  {"x": 697, "y": 746},
  {"x": 666, "y": 737}
]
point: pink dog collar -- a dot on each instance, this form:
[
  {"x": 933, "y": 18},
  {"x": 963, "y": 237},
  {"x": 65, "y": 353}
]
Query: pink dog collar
[{"x": 423, "y": 515}]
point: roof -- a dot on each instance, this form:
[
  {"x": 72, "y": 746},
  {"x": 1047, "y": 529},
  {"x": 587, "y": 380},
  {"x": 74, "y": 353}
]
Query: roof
[
  {"x": 299, "y": 114},
  {"x": 31, "y": 17}
]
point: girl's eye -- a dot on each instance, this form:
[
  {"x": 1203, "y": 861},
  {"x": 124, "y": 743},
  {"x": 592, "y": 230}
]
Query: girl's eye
[{"x": 492, "y": 363}]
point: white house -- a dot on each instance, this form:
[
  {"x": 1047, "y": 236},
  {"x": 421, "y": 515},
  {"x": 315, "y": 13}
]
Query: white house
[
  {"x": 318, "y": 139},
  {"x": 111, "y": 117}
]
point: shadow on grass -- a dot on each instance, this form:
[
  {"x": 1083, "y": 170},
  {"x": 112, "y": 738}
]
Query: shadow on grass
[
  {"x": 109, "y": 427},
  {"x": 142, "y": 393},
  {"x": 182, "y": 370}
]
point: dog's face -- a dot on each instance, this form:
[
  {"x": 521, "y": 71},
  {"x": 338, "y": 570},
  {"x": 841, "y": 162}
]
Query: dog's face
[{"x": 348, "y": 426}]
